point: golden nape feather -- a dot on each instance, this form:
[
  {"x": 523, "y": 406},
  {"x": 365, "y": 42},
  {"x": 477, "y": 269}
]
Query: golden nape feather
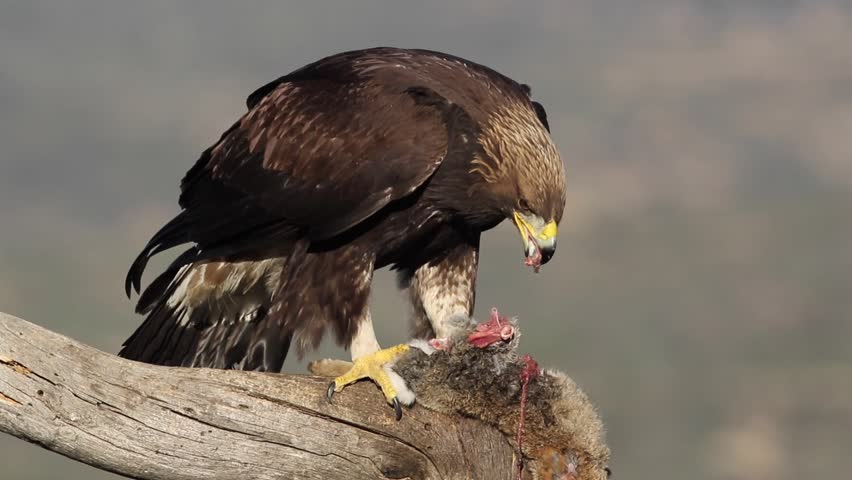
[{"x": 477, "y": 373}]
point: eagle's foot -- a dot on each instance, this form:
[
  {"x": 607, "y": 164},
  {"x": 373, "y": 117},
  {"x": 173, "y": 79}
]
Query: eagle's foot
[{"x": 377, "y": 367}]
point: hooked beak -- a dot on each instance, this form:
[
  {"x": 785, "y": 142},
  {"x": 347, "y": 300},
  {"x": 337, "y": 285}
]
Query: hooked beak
[{"x": 539, "y": 239}]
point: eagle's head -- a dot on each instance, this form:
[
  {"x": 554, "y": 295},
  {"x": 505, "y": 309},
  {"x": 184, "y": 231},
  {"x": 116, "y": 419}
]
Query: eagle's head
[{"x": 526, "y": 174}]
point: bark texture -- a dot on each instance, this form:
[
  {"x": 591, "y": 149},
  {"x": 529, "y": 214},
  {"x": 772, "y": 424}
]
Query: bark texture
[{"x": 162, "y": 423}]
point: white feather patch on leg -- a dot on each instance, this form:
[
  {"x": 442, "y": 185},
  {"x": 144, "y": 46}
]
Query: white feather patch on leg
[
  {"x": 364, "y": 342},
  {"x": 403, "y": 393},
  {"x": 422, "y": 345}
]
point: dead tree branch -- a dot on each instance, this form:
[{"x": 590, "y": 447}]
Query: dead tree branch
[{"x": 160, "y": 423}]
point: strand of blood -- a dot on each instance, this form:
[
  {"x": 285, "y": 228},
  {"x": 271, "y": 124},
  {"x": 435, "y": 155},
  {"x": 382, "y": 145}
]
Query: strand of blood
[{"x": 529, "y": 372}]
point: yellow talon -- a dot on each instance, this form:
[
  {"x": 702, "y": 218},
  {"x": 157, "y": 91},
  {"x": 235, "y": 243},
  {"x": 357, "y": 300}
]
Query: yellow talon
[{"x": 373, "y": 367}]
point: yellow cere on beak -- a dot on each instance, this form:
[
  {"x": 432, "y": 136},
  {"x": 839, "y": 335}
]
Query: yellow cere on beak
[
  {"x": 539, "y": 238},
  {"x": 526, "y": 230},
  {"x": 549, "y": 231}
]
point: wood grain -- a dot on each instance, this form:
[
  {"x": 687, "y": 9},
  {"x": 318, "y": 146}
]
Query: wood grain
[{"x": 161, "y": 423}]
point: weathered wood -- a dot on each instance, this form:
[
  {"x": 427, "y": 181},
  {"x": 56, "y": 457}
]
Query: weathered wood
[{"x": 151, "y": 422}]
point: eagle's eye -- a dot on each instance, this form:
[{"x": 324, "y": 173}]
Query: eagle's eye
[{"x": 524, "y": 205}]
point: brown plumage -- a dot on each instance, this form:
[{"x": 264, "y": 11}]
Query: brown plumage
[
  {"x": 478, "y": 374},
  {"x": 358, "y": 161}
]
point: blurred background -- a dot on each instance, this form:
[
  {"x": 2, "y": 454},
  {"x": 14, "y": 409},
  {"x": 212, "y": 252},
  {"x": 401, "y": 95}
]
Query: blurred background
[{"x": 703, "y": 286}]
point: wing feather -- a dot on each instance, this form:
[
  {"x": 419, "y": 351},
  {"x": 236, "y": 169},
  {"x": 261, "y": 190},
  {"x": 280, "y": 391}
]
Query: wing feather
[
  {"x": 318, "y": 152},
  {"x": 320, "y": 155}
]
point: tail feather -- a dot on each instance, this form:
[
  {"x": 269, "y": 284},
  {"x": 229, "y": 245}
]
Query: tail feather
[
  {"x": 171, "y": 235},
  {"x": 162, "y": 286},
  {"x": 148, "y": 342},
  {"x": 210, "y": 315},
  {"x": 177, "y": 344}
]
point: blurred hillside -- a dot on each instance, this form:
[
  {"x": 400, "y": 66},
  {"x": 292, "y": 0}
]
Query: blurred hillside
[{"x": 701, "y": 292}]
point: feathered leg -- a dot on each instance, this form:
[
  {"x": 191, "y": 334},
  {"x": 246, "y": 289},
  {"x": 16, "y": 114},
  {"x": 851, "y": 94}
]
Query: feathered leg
[
  {"x": 443, "y": 290},
  {"x": 363, "y": 343}
]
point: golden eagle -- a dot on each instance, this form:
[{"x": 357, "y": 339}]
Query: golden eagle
[{"x": 361, "y": 160}]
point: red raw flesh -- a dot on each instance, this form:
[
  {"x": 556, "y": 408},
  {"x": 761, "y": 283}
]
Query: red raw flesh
[
  {"x": 529, "y": 372},
  {"x": 497, "y": 329}
]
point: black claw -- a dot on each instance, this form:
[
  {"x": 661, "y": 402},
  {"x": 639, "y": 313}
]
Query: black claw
[
  {"x": 397, "y": 408},
  {"x": 330, "y": 392}
]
